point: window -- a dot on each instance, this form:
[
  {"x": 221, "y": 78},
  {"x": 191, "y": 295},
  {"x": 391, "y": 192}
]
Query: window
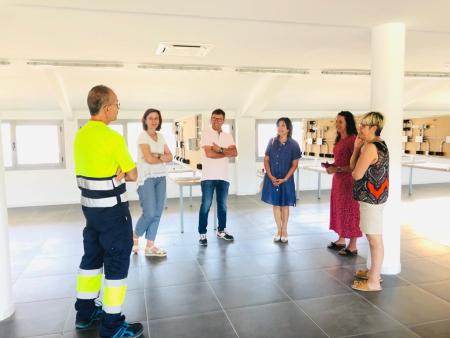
[
  {"x": 266, "y": 129},
  {"x": 135, "y": 128},
  {"x": 133, "y": 131},
  {"x": 32, "y": 144},
  {"x": 130, "y": 130},
  {"x": 228, "y": 127},
  {"x": 116, "y": 125},
  {"x": 169, "y": 135},
  {"x": 6, "y": 145}
]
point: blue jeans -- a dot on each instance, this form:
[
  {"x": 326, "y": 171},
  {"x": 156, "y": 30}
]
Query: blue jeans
[
  {"x": 208, "y": 187},
  {"x": 152, "y": 197}
]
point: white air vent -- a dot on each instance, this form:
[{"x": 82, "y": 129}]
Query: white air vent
[{"x": 182, "y": 49}]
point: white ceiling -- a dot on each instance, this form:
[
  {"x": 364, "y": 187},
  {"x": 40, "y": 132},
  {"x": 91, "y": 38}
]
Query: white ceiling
[{"x": 305, "y": 34}]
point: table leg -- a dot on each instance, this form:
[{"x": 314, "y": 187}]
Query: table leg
[
  {"x": 410, "y": 180},
  {"x": 181, "y": 209},
  {"x": 319, "y": 177},
  {"x": 190, "y": 195}
]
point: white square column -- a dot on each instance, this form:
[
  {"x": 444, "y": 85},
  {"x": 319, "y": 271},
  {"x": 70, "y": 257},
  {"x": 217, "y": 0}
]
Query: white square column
[
  {"x": 387, "y": 77},
  {"x": 6, "y": 298}
]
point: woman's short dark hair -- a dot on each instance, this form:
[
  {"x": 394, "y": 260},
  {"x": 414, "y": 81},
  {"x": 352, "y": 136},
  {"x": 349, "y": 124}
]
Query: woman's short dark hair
[
  {"x": 350, "y": 124},
  {"x": 147, "y": 113},
  {"x": 287, "y": 121}
]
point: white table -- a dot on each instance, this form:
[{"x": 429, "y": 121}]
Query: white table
[
  {"x": 184, "y": 181},
  {"x": 426, "y": 166},
  {"x": 319, "y": 170}
]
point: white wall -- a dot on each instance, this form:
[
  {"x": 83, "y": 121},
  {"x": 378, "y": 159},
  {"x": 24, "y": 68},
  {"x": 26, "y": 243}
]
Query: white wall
[{"x": 58, "y": 186}]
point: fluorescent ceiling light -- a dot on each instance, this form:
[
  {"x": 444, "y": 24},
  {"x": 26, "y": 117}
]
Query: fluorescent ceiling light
[
  {"x": 427, "y": 74},
  {"x": 366, "y": 72},
  {"x": 345, "y": 72},
  {"x": 161, "y": 66},
  {"x": 76, "y": 63},
  {"x": 271, "y": 70}
]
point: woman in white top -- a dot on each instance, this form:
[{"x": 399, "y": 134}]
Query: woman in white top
[{"x": 153, "y": 154}]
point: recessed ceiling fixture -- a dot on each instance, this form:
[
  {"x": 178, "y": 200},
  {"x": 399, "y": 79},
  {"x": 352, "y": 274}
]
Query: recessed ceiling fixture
[
  {"x": 183, "y": 49},
  {"x": 76, "y": 63},
  {"x": 162, "y": 66},
  {"x": 365, "y": 72},
  {"x": 271, "y": 70},
  {"x": 427, "y": 74},
  {"x": 4, "y": 62}
]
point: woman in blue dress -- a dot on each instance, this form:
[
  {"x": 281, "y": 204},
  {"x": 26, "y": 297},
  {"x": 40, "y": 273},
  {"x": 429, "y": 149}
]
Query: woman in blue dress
[{"x": 280, "y": 163}]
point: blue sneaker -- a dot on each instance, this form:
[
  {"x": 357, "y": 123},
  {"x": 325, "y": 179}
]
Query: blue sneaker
[
  {"x": 96, "y": 316},
  {"x": 128, "y": 330}
]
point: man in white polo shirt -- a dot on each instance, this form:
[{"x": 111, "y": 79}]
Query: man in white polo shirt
[{"x": 217, "y": 147}]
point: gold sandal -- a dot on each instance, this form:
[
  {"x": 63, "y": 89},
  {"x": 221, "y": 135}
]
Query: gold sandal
[
  {"x": 364, "y": 274},
  {"x": 363, "y": 285}
]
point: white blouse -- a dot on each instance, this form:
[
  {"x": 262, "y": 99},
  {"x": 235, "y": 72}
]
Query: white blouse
[{"x": 145, "y": 169}]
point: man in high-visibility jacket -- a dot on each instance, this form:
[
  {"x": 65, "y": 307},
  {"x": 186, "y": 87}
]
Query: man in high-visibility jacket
[{"x": 102, "y": 162}]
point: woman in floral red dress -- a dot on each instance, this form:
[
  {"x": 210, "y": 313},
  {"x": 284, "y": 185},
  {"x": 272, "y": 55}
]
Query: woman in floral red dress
[{"x": 344, "y": 210}]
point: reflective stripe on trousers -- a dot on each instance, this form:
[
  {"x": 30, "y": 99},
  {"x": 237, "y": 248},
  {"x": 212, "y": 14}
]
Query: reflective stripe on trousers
[
  {"x": 89, "y": 283},
  {"x": 114, "y": 295}
]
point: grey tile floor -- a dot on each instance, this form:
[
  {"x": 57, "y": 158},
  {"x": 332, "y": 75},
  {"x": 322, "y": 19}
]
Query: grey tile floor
[{"x": 249, "y": 288}]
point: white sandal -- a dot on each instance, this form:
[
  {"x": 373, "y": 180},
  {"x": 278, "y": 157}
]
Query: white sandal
[
  {"x": 155, "y": 252},
  {"x": 284, "y": 239}
]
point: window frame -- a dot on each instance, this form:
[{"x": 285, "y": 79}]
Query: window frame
[
  {"x": 124, "y": 124},
  {"x": 265, "y": 121},
  {"x": 15, "y": 166}
]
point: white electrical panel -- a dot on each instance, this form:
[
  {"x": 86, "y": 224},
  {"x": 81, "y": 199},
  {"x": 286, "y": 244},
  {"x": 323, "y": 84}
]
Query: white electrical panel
[
  {"x": 309, "y": 140},
  {"x": 447, "y": 139},
  {"x": 419, "y": 139},
  {"x": 319, "y": 141},
  {"x": 404, "y": 139}
]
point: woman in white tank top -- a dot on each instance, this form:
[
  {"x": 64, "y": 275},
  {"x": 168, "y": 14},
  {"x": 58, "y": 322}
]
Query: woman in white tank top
[{"x": 153, "y": 154}]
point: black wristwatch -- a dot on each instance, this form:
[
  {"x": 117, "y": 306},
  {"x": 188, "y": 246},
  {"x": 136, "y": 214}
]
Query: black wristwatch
[{"x": 221, "y": 150}]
